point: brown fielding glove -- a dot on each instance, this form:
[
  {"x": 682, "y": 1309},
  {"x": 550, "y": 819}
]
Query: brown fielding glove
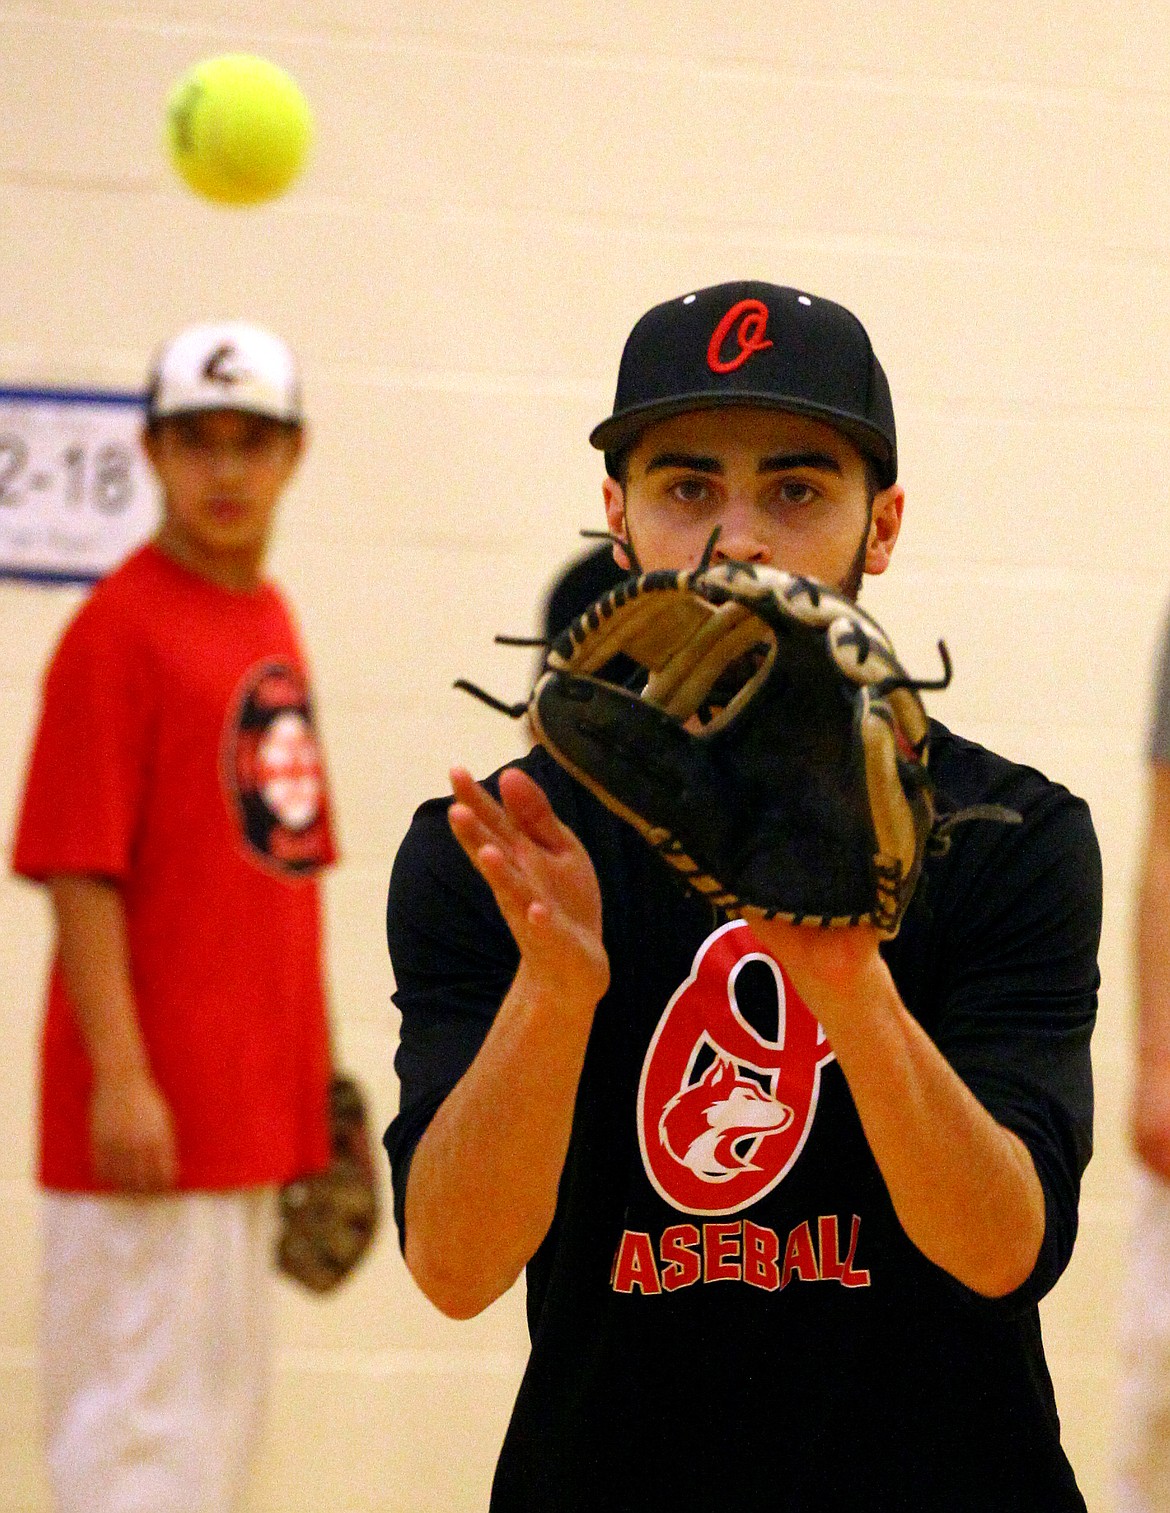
[
  {"x": 775, "y": 752},
  {"x": 328, "y": 1220}
]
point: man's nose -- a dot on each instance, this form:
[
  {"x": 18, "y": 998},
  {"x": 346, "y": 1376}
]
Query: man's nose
[{"x": 741, "y": 538}]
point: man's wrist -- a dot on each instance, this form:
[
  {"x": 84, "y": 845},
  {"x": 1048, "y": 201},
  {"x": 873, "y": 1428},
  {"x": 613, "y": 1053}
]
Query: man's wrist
[
  {"x": 845, "y": 1001},
  {"x": 835, "y": 971},
  {"x": 564, "y": 996}
]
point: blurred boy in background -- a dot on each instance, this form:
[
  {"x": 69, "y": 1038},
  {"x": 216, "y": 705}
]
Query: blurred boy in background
[{"x": 176, "y": 812}]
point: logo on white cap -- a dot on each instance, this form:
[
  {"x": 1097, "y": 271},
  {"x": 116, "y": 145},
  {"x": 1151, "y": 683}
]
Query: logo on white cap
[
  {"x": 231, "y": 365},
  {"x": 223, "y": 366}
]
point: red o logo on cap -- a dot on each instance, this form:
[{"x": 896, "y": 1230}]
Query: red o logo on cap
[{"x": 752, "y": 318}]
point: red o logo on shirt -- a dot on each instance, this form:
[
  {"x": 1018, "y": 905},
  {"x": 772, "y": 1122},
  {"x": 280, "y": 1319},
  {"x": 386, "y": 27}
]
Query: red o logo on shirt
[
  {"x": 272, "y": 769},
  {"x": 749, "y": 318},
  {"x": 724, "y": 1111}
]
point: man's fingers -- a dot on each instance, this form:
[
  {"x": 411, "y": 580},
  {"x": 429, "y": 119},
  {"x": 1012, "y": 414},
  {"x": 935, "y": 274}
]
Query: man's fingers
[
  {"x": 537, "y": 871},
  {"x": 495, "y": 860},
  {"x": 474, "y": 796},
  {"x": 524, "y": 811},
  {"x": 512, "y": 887},
  {"x": 528, "y": 913},
  {"x": 468, "y": 828},
  {"x": 527, "y": 805}
]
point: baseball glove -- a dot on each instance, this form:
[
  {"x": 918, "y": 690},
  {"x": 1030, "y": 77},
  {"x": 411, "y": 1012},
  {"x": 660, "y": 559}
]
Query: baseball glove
[
  {"x": 327, "y": 1220},
  {"x": 777, "y": 753}
]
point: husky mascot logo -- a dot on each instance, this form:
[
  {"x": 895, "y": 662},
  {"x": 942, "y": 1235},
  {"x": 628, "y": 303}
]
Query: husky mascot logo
[
  {"x": 709, "y": 1126},
  {"x": 723, "y": 1112}
]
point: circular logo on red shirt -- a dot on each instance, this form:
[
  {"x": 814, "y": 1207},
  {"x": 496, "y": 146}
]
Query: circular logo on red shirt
[
  {"x": 723, "y": 1109},
  {"x": 273, "y": 770}
]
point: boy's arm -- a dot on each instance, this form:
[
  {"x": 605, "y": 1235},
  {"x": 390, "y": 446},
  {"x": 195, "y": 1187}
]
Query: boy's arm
[
  {"x": 131, "y": 1131},
  {"x": 1150, "y": 1117}
]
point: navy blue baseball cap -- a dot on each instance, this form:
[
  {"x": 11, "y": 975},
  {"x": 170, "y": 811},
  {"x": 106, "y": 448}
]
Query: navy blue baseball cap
[{"x": 751, "y": 343}]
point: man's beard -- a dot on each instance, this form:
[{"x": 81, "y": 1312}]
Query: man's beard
[{"x": 850, "y": 586}]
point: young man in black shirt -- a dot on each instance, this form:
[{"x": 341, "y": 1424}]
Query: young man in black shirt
[{"x": 787, "y": 1197}]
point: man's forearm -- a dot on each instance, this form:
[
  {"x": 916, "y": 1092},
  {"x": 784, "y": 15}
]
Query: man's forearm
[
  {"x": 965, "y": 1189},
  {"x": 483, "y": 1182}
]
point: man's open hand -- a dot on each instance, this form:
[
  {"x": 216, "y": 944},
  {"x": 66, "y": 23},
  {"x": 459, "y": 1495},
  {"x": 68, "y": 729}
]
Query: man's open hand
[{"x": 541, "y": 877}]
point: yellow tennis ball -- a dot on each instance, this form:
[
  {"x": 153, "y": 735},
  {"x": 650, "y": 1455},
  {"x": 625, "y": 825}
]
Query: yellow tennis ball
[{"x": 238, "y": 129}]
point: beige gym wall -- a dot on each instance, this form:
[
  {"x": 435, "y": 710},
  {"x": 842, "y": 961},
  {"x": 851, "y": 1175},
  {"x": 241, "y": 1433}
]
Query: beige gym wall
[{"x": 499, "y": 190}]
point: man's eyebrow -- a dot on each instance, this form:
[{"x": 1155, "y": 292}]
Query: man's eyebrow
[
  {"x": 782, "y": 461},
  {"x": 696, "y": 463}
]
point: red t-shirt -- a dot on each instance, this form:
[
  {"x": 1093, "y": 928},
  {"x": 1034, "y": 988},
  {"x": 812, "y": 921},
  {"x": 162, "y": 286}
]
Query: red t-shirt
[{"x": 176, "y": 755}]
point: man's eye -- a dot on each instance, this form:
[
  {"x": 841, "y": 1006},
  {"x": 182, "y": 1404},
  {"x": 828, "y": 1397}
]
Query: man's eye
[
  {"x": 794, "y": 491},
  {"x": 690, "y": 490}
]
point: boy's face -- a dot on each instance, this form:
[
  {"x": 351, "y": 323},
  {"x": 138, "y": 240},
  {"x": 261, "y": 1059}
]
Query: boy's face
[
  {"x": 222, "y": 473},
  {"x": 786, "y": 491}
]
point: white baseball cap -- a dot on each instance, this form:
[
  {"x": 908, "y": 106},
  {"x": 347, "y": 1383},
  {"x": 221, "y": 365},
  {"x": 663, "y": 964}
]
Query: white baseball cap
[{"x": 228, "y": 365}]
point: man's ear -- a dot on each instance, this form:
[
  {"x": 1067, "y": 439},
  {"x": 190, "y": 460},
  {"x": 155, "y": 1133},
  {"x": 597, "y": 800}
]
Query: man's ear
[
  {"x": 615, "y": 519},
  {"x": 148, "y": 441},
  {"x": 884, "y": 526}
]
